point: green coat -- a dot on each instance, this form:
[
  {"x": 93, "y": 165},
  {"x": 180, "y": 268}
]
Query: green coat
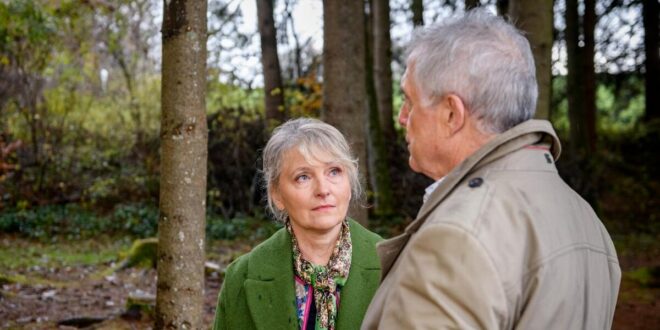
[{"x": 258, "y": 291}]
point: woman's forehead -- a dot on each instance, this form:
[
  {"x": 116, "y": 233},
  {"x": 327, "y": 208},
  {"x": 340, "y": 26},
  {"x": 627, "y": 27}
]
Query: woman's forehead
[{"x": 311, "y": 155}]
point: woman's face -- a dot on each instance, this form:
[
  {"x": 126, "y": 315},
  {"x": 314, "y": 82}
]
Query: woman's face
[{"x": 315, "y": 193}]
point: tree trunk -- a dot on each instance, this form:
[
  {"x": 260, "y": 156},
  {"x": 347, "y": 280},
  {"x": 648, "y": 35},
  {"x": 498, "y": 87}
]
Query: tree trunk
[
  {"x": 650, "y": 13},
  {"x": 180, "y": 287},
  {"x": 273, "y": 91},
  {"x": 575, "y": 89},
  {"x": 536, "y": 19},
  {"x": 344, "y": 90},
  {"x": 502, "y": 7},
  {"x": 378, "y": 160},
  {"x": 417, "y": 8},
  {"x": 469, "y": 4},
  {"x": 382, "y": 65},
  {"x": 589, "y": 74}
]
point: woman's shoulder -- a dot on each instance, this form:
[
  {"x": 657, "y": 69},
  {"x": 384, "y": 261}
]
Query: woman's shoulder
[
  {"x": 265, "y": 250},
  {"x": 361, "y": 233}
]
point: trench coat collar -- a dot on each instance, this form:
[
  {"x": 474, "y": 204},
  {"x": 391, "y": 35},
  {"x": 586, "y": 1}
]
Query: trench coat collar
[
  {"x": 527, "y": 133},
  {"x": 270, "y": 290}
]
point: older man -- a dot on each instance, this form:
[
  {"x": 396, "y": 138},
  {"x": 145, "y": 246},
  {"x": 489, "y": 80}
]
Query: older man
[{"x": 501, "y": 242}]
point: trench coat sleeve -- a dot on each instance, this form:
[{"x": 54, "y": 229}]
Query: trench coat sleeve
[{"x": 446, "y": 280}]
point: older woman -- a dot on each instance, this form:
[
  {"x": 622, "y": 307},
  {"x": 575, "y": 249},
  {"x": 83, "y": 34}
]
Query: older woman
[{"x": 321, "y": 270}]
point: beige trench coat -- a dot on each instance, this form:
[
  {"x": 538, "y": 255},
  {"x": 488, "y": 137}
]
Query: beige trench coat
[{"x": 502, "y": 243}]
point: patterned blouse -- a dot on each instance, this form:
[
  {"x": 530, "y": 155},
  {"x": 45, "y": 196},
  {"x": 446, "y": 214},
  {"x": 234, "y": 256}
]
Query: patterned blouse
[{"x": 304, "y": 301}]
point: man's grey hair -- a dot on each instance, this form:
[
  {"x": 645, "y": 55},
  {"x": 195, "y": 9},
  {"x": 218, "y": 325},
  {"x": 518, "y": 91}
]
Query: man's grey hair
[
  {"x": 481, "y": 58},
  {"x": 309, "y": 136}
]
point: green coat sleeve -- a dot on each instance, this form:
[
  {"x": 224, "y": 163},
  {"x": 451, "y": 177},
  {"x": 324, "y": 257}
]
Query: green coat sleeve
[{"x": 231, "y": 308}]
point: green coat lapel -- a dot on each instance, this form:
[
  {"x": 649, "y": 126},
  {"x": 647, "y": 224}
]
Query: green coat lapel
[
  {"x": 362, "y": 281},
  {"x": 269, "y": 285}
]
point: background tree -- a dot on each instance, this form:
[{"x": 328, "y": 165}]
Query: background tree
[
  {"x": 377, "y": 98},
  {"x": 469, "y": 4},
  {"x": 417, "y": 8},
  {"x": 536, "y": 19},
  {"x": 580, "y": 90},
  {"x": 344, "y": 90},
  {"x": 650, "y": 14},
  {"x": 382, "y": 65},
  {"x": 184, "y": 132},
  {"x": 273, "y": 89},
  {"x": 502, "y": 7}
]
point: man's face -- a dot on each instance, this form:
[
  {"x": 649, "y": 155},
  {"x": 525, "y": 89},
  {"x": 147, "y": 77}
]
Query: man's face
[{"x": 424, "y": 132}]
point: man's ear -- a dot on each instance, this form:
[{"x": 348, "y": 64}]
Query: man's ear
[{"x": 455, "y": 113}]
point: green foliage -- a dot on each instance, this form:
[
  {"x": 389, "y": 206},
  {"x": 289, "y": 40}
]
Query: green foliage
[
  {"x": 73, "y": 222},
  {"x": 137, "y": 220},
  {"x": 52, "y": 222},
  {"x": 619, "y": 103},
  {"x": 255, "y": 228},
  {"x": 645, "y": 276}
]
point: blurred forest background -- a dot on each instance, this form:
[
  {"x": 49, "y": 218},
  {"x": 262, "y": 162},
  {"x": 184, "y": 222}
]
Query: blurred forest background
[{"x": 80, "y": 134}]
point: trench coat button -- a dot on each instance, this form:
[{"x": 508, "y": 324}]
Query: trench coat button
[{"x": 476, "y": 182}]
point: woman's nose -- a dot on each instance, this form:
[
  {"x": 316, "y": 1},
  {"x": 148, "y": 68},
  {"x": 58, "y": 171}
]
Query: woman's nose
[{"x": 322, "y": 189}]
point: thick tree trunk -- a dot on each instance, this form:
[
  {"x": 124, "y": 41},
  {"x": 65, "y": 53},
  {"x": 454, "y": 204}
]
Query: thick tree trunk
[
  {"x": 536, "y": 19},
  {"x": 650, "y": 13},
  {"x": 273, "y": 91},
  {"x": 180, "y": 287},
  {"x": 417, "y": 8},
  {"x": 378, "y": 159},
  {"x": 344, "y": 90}
]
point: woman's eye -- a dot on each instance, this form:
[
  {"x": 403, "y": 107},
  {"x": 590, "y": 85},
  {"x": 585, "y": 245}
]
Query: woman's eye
[
  {"x": 302, "y": 178},
  {"x": 335, "y": 171}
]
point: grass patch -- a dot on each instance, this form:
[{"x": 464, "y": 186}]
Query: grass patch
[{"x": 20, "y": 253}]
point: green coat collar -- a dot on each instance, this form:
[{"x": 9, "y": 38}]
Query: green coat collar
[{"x": 269, "y": 285}]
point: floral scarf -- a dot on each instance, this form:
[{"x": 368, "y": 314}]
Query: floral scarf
[{"x": 325, "y": 279}]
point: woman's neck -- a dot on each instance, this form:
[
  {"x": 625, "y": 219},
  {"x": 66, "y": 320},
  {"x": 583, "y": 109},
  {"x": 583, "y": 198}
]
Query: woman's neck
[{"x": 317, "y": 247}]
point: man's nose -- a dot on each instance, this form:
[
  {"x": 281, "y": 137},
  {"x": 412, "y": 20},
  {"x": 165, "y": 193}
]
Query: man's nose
[{"x": 403, "y": 116}]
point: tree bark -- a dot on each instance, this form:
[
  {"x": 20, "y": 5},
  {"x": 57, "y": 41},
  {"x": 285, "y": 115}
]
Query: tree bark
[
  {"x": 536, "y": 19},
  {"x": 273, "y": 91},
  {"x": 502, "y": 7},
  {"x": 470, "y": 4},
  {"x": 344, "y": 90},
  {"x": 382, "y": 61},
  {"x": 575, "y": 89},
  {"x": 181, "y": 227},
  {"x": 417, "y": 8},
  {"x": 378, "y": 159},
  {"x": 650, "y": 13},
  {"x": 589, "y": 74}
]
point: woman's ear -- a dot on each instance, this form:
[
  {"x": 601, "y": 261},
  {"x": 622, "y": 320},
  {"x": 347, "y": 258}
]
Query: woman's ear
[{"x": 277, "y": 199}]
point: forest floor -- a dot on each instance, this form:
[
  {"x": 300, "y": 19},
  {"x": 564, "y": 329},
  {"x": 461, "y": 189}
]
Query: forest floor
[
  {"x": 63, "y": 286},
  {"x": 66, "y": 285}
]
